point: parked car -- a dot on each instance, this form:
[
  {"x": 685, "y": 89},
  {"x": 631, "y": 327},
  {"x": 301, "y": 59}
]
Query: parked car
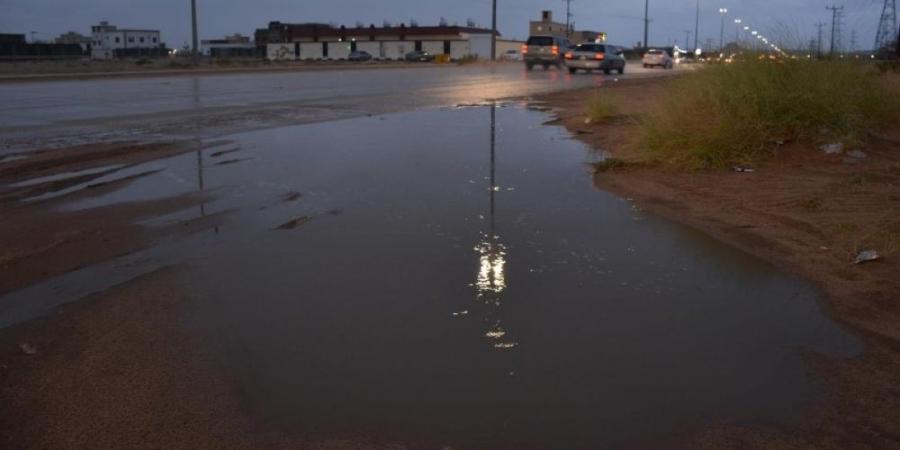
[
  {"x": 512, "y": 55},
  {"x": 544, "y": 51},
  {"x": 592, "y": 57},
  {"x": 657, "y": 58},
  {"x": 419, "y": 56},
  {"x": 359, "y": 56}
]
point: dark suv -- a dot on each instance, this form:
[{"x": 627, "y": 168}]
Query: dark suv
[{"x": 545, "y": 51}]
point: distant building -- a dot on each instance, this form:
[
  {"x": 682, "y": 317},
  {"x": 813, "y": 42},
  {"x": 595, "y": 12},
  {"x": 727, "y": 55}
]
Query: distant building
[
  {"x": 109, "y": 41},
  {"x": 14, "y": 47},
  {"x": 311, "y": 41},
  {"x": 75, "y": 38},
  {"x": 229, "y": 47},
  {"x": 547, "y": 27}
]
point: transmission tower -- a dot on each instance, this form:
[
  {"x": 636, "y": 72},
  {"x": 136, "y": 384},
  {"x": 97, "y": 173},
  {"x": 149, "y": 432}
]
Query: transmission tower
[
  {"x": 836, "y": 22},
  {"x": 887, "y": 27},
  {"x": 852, "y": 41},
  {"x": 820, "y": 26}
]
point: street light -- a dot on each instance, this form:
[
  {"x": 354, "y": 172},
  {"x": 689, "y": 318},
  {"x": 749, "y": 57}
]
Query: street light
[
  {"x": 723, "y": 12},
  {"x": 737, "y": 30}
]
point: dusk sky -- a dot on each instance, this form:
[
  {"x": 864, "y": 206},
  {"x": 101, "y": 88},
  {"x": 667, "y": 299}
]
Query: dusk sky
[{"x": 620, "y": 18}]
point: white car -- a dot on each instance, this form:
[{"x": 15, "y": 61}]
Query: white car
[
  {"x": 511, "y": 55},
  {"x": 657, "y": 58}
]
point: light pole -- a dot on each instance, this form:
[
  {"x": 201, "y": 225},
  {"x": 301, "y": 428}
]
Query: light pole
[
  {"x": 723, "y": 12},
  {"x": 494, "y": 31},
  {"x": 737, "y": 30},
  {"x": 646, "y": 23},
  {"x": 697, "y": 27},
  {"x": 195, "y": 55}
]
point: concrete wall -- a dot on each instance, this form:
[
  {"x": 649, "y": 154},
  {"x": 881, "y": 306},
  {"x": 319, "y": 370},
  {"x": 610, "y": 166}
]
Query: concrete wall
[
  {"x": 397, "y": 49},
  {"x": 504, "y": 46},
  {"x": 433, "y": 47},
  {"x": 310, "y": 50},
  {"x": 280, "y": 52},
  {"x": 337, "y": 50},
  {"x": 459, "y": 49},
  {"x": 480, "y": 46},
  {"x": 373, "y": 48}
]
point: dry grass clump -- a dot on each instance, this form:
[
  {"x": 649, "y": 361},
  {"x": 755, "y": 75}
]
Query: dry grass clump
[
  {"x": 735, "y": 113},
  {"x": 602, "y": 106}
]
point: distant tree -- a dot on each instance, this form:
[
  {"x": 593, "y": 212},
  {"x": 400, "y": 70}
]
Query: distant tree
[
  {"x": 413, "y": 22},
  {"x": 470, "y": 23},
  {"x": 386, "y": 23},
  {"x": 443, "y": 22}
]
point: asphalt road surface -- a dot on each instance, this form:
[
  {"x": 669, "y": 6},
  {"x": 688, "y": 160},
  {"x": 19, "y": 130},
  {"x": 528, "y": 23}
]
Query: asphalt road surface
[{"x": 61, "y": 112}]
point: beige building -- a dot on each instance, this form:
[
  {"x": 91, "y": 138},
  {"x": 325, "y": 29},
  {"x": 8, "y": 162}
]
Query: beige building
[{"x": 547, "y": 27}]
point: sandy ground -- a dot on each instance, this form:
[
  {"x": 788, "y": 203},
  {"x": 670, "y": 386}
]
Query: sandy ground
[{"x": 806, "y": 212}]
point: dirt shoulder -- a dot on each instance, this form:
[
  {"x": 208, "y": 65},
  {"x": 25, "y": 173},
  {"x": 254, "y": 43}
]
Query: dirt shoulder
[{"x": 806, "y": 212}]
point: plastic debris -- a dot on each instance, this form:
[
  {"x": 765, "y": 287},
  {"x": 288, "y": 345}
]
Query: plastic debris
[
  {"x": 833, "y": 149},
  {"x": 28, "y": 349},
  {"x": 739, "y": 169},
  {"x": 858, "y": 154},
  {"x": 867, "y": 256},
  {"x": 587, "y": 121}
]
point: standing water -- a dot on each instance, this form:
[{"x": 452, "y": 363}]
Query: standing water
[{"x": 452, "y": 277}]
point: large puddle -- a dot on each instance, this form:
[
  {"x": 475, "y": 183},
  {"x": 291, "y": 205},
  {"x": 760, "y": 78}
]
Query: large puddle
[{"x": 452, "y": 277}]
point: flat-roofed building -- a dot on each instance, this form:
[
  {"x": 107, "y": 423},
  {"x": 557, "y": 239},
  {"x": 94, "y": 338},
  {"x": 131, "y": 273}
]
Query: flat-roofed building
[{"x": 109, "y": 41}]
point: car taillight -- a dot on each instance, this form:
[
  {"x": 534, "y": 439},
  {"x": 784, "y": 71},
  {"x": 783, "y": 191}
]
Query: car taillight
[
  {"x": 524, "y": 49},
  {"x": 599, "y": 56},
  {"x": 555, "y": 50},
  {"x": 569, "y": 55}
]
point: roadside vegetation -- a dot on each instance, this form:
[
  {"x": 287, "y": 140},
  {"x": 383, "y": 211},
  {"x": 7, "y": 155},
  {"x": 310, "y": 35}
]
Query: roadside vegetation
[
  {"x": 736, "y": 113},
  {"x": 602, "y": 106}
]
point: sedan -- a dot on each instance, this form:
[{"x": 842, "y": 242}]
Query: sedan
[
  {"x": 591, "y": 57},
  {"x": 657, "y": 58},
  {"x": 359, "y": 56},
  {"x": 419, "y": 56}
]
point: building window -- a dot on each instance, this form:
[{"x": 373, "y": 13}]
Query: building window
[
  {"x": 131, "y": 40},
  {"x": 154, "y": 40},
  {"x": 142, "y": 40},
  {"x": 117, "y": 40}
]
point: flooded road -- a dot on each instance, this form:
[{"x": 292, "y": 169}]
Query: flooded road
[
  {"x": 451, "y": 277},
  {"x": 64, "y": 113}
]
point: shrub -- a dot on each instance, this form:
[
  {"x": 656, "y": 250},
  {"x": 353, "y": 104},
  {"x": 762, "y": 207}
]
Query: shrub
[
  {"x": 602, "y": 106},
  {"x": 734, "y": 113}
]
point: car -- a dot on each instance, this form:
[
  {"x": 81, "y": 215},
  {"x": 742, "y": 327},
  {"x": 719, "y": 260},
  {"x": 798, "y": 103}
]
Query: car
[
  {"x": 511, "y": 55},
  {"x": 419, "y": 56},
  {"x": 592, "y": 57},
  {"x": 657, "y": 58},
  {"x": 544, "y": 51},
  {"x": 359, "y": 56}
]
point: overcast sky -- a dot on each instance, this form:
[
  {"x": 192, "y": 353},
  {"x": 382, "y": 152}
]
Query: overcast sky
[{"x": 620, "y": 18}]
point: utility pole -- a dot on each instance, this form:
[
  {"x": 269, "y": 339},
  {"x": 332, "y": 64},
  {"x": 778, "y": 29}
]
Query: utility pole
[
  {"x": 687, "y": 39},
  {"x": 852, "y": 41},
  {"x": 195, "y": 53},
  {"x": 697, "y": 27},
  {"x": 494, "y": 31},
  {"x": 820, "y": 26},
  {"x": 568, "y": 18},
  {"x": 646, "y": 23},
  {"x": 835, "y": 11}
]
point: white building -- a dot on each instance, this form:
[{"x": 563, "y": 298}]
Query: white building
[
  {"x": 109, "y": 41},
  {"x": 319, "y": 41}
]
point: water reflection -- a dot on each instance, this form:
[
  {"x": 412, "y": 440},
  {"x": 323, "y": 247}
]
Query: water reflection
[{"x": 490, "y": 282}]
